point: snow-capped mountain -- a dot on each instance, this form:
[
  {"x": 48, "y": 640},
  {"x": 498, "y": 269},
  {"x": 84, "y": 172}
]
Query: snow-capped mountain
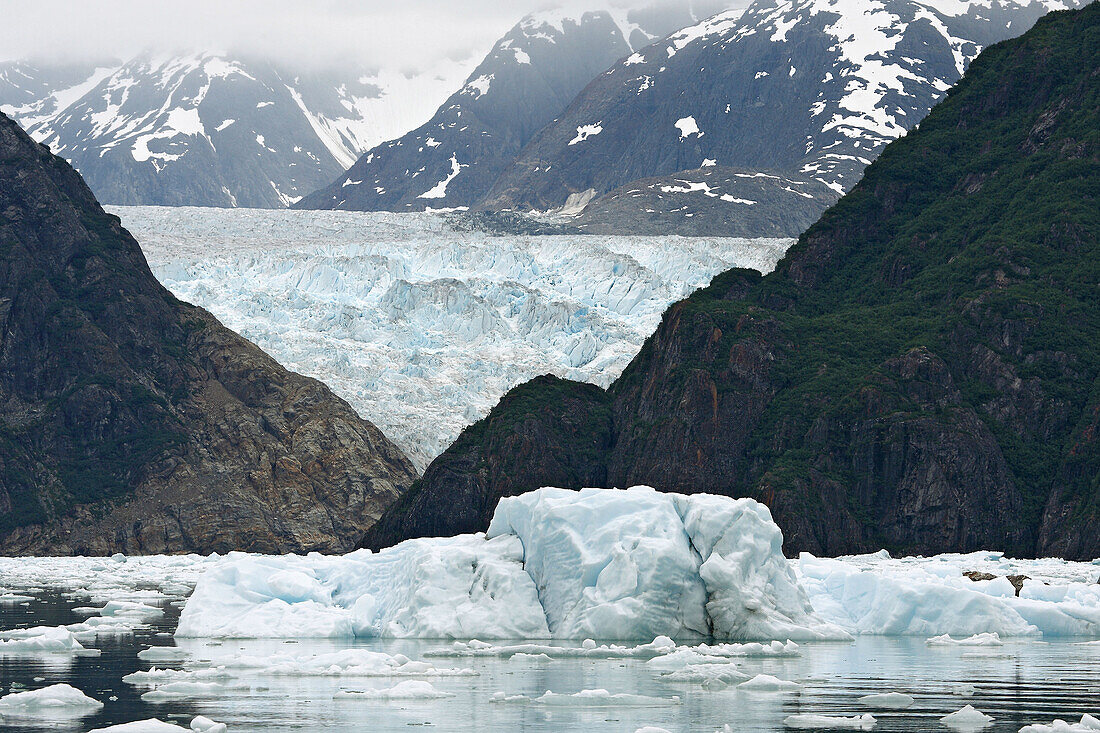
[
  {"x": 798, "y": 88},
  {"x": 527, "y": 79},
  {"x": 213, "y": 130}
]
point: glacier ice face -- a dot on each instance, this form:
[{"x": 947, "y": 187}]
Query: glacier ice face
[
  {"x": 597, "y": 563},
  {"x": 422, "y": 328}
]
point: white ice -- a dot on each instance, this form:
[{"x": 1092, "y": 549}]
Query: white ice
[
  {"x": 55, "y": 701},
  {"x": 887, "y": 701},
  {"x": 878, "y": 594},
  {"x": 967, "y": 719},
  {"x": 855, "y": 722},
  {"x": 1087, "y": 725},
  {"x": 407, "y": 690},
  {"x": 420, "y": 327},
  {"x": 604, "y": 564}
]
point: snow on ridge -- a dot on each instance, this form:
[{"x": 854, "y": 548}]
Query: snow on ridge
[
  {"x": 586, "y": 131},
  {"x": 688, "y": 127},
  {"x": 439, "y": 190}
]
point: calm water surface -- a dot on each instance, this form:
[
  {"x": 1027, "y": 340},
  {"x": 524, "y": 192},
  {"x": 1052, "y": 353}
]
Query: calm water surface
[{"x": 1019, "y": 683}]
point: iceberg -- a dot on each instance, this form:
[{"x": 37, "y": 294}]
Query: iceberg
[
  {"x": 554, "y": 564},
  {"x": 1088, "y": 723},
  {"x": 55, "y": 701},
  {"x": 931, "y": 597}
]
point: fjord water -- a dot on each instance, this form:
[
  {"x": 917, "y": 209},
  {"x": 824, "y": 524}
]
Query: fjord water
[{"x": 1024, "y": 681}]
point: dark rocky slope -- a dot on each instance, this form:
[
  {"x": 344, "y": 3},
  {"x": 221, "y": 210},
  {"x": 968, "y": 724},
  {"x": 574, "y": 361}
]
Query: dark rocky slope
[
  {"x": 132, "y": 422},
  {"x": 919, "y": 373},
  {"x": 714, "y": 201}
]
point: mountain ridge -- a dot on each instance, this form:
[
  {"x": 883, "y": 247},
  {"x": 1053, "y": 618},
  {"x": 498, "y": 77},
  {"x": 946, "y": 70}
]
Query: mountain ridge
[{"x": 132, "y": 422}]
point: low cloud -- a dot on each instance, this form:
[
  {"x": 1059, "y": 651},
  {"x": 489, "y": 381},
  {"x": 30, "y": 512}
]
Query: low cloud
[{"x": 409, "y": 34}]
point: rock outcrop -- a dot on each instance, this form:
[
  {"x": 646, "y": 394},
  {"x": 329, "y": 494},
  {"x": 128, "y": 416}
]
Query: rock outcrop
[
  {"x": 919, "y": 373},
  {"x": 131, "y": 422}
]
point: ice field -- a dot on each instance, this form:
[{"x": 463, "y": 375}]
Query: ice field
[{"x": 422, "y": 328}]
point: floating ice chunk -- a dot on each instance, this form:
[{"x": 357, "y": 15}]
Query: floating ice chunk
[
  {"x": 152, "y": 725},
  {"x": 407, "y": 690},
  {"x": 887, "y": 701},
  {"x": 163, "y": 654},
  {"x": 597, "y": 698},
  {"x": 130, "y": 609},
  {"x": 43, "y": 640},
  {"x": 967, "y": 719},
  {"x": 652, "y": 729},
  {"x": 13, "y": 598},
  {"x": 154, "y": 677},
  {"x": 985, "y": 639},
  {"x": 710, "y": 676},
  {"x": 769, "y": 683},
  {"x": 856, "y": 722},
  {"x": 1088, "y": 723},
  {"x": 183, "y": 689},
  {"x": 54, "y": 701},
  {"x": 202, "y": 724}
]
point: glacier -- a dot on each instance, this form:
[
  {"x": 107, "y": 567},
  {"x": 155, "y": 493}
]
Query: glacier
[{"x": 419, "y": 327}]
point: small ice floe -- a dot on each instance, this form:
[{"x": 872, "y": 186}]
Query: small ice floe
[
  {"x": 710, "y": 676},
  {"x": 967, "y": 719},
  {"x": 183, "y": 689},
  {"x": 162, "y": 654},
  {"x": 199, "y": 724},
  {"x": 55, "y": 701},
  {"x": 43, "y": 640},
  {"x": 597, "y": 698},
  {"x": 652, "y": 729},
  {"x": 407, "y": 690},
  {"x": 769, "y": 683},
  {"x": 855, "y": 722},
  {"x": 11, "y": 599},
  {"x": 1088, "y": 724},
  {"x": 887, "y": 701},
  {"x": 984, "y": 639}
]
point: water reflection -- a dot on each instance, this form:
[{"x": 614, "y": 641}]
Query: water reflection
[{"x": 1018, "y": 683}]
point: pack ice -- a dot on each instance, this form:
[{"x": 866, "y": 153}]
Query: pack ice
[{"x": 554, "y": 564}]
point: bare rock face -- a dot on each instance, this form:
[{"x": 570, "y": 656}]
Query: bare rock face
[{"x": 131, "y": 422}]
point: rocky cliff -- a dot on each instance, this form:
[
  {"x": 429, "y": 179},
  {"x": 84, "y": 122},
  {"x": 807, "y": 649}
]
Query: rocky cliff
[
  {"x": 132, "y": 422},
  {"x": 919, "y": 373}
]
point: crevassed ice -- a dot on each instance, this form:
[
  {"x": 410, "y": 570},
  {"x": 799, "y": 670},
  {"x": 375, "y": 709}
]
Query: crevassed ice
[
  {"x": 610, "y": 564},
  {"x": 422, "y": 328}
]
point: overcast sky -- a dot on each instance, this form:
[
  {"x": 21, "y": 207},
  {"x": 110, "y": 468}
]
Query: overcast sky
[{"x": 373, "y": 33}]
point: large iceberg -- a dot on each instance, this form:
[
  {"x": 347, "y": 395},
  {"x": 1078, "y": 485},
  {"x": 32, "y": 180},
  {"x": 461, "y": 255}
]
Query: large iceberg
[
  {"x": 636, "y": 564},
  {"x": 555, "y": 564}
]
